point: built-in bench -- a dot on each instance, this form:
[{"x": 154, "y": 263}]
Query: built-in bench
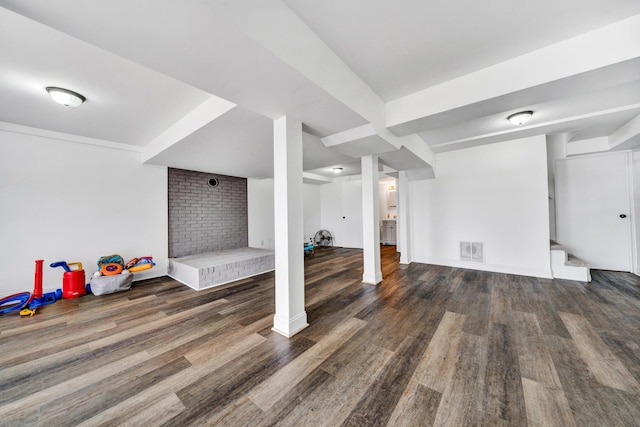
[{"x": 201, "y": 271}]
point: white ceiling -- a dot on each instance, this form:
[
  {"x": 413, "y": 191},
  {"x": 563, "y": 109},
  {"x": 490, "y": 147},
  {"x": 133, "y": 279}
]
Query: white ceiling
[
  {"x": 402, "y": 46},
  {"x": 402, "y": 80}
]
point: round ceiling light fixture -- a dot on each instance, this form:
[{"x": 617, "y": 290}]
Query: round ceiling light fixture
[
  {"x": 65, "y": 97},
  {"x": 520, "y": 118},
  {"x": 337, "y": 170}
]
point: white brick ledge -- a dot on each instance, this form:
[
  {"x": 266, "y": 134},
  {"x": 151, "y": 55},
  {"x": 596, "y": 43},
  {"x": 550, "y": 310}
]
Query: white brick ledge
[{"x": 209, "y": 269}]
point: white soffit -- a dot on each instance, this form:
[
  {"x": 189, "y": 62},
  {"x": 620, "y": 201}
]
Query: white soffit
[{"x": 238, "y": 143}]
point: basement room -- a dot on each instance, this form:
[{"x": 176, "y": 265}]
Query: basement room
[{"x": 305, "y": 213}]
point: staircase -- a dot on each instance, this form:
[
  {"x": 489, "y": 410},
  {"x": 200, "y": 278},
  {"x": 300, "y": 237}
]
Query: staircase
[{"x": 566, "y": 266}]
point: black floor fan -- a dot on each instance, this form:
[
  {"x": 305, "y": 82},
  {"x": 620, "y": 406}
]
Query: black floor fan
[{"x": 323, "y": 239}]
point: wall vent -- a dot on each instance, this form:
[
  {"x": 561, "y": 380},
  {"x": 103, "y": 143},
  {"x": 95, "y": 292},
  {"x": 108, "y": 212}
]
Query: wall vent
[{"x": 472, "y": 252}]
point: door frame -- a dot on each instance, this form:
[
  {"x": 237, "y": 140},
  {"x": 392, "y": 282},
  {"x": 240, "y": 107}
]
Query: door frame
[{"x": 630, "y": 198}]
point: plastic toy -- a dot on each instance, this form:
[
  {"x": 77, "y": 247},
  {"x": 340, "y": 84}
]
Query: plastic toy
[
  {"x": 61, "y": 264},
  {"x": 111, "y": 269},
  {"x": 73, "y": 282},
  {"x": 14, "y": 302},
  {"x": 27, "y": 312},
  {"x": 131, "y": 263},
  {"x": 45, "y": 299},
  {"x": 142, "y": 263},
  {"x": 28, "y": 300},
  {"x": 309, "y": 249},
  {"x": 110, "y": 259}
]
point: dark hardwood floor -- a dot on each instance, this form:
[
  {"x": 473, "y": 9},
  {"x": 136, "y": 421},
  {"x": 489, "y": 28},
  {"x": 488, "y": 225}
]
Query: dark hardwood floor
[{"x": 430, "y": 345}]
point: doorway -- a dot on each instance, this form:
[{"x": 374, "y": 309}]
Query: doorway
[{"x": 593, "y": 209}]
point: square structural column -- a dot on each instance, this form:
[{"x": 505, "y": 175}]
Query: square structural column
[
  {"x": 370, "y": 221},
  {"x": 404, "y": 226},
  {"x": 290, "y": 317}
]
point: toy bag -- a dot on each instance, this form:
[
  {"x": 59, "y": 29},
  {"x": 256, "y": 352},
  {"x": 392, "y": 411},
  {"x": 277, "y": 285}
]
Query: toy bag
[{"x": 102, "y": 285}]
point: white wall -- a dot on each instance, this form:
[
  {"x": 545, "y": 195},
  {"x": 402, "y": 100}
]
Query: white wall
[
  {"x": 312, "y": 203},
  {"x": 64, "y": 201},
  {"x": 341, "y": 211},
  {"x": 636, "y": 209},
  {"x": 260, "y": 212},
  {"x": 496, "y": 194},
  {"x": 386, "y": 212},
  {"x": 556, "y": 149}
]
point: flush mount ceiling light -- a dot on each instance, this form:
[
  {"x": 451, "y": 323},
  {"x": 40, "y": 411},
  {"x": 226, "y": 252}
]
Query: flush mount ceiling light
[
  {"x": 65, "y": 97},
  {"x": 337, "y": 170},
  {"x": 520, "y": 118}
]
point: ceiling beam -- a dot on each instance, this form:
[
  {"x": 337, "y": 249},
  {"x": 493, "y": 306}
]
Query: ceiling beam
[
  {"x": 596, "y": 49},
  {"x": 627, "y": 136},
  {"x": 202, "y": 115}
]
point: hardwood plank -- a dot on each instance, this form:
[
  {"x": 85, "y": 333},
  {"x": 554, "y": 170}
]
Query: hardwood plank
[
  {"x": 590, "y": 401},
  {"x": 546, "y": 407},
  {"x": 377, "y": 404},
  {"x": 181, "y": 380},
  {"x": 153, "y": 413},
  {"x": 214, "y": 391},
  {"x": 459, "y": 401},
  {"x": 355, "y": 368},
  {"x": 241, "y": 412},
  {"x": 533, "y": 353},
  {"x": 19, "y": 410},
  {"x": 417, "y": 406},
  {"x": 295, "y": 399},
  {"x": 499, "y": 304},
  {"x": 604, "y": 365},
  {"x": 270, "y": 391},
  {"x": 91, "y": 399},
  {"x": 437, "y": 364},
  {"x": 502, "y": 382}
]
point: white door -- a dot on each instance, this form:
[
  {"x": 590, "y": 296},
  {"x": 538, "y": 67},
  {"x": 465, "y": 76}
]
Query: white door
[
  {"x": 593, "y": 217},
  {"x": 352, "y": 214}
]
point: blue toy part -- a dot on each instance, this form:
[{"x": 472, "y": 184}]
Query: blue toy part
[
  {"x": 18, "y": 300},
  {"x": 46, "y": 299},
  {"x": 60, "y": 264}
]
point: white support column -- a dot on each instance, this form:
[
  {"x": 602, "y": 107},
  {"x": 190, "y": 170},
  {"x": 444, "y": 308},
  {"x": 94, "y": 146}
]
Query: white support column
[
  {"x": 370, "y": 221},
  {"x": 290, "y": 317},
  {"x": 404, "y": 229}
]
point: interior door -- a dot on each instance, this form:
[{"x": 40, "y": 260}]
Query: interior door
[
  {"x": 593, "y": 217},
  {"x": 352, "y": 214}
]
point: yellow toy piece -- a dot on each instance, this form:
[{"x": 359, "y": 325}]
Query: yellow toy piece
[
  {"x": 78, "y": 264},
  {"x": 140, "y": 267},
  {"x": 28, "y": 312}
]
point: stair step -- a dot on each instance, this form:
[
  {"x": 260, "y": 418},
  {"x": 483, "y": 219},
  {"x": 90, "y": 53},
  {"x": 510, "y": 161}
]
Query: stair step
[
  {"x": 558, "y": 247},
  {"x": 576, "y": 262},
  {"x": 567, "y": 266}
]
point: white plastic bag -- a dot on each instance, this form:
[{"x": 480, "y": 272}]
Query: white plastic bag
[{"x": 102, "y": 285}]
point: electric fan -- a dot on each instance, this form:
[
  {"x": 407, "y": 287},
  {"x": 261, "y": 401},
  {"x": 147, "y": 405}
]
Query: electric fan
[{"x": 323, "y": 239}]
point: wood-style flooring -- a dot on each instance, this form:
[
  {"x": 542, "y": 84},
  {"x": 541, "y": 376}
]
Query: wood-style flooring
[{"x": 430, "y": 345}]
